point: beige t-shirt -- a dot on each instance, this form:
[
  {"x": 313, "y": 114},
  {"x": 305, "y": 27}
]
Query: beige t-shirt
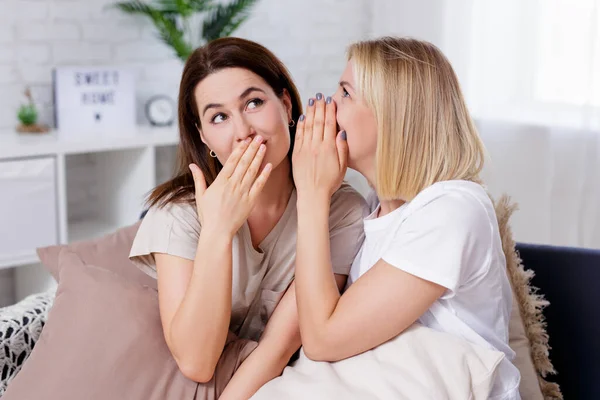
[{"x": 260, "y": 277}]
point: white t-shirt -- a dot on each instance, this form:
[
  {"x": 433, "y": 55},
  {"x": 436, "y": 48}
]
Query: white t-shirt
[{"x": 448, "y": 234}]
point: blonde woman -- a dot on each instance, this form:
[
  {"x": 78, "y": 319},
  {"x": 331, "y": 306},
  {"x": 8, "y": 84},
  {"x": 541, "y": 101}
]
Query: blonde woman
[{"x": 432, "y": 250}]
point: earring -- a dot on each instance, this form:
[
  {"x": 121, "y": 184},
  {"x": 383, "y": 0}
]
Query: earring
[
  {"x": 292, "y": 124},
  {"x": 213, "y": 154}
]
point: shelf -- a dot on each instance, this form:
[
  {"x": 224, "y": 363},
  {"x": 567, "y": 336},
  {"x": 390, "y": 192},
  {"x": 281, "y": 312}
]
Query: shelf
[
  {"x": 95, "y": 184},
  {"x": 90, "y": 229},
  {"x": 19, "y": 260},
  {"x": 16, "y": 145}
]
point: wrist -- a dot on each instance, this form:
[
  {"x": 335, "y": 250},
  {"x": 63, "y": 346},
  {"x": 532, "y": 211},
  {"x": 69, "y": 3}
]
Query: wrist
[
  {"x": 313, "y": 199},
  {"x": 217, "y": 234}
]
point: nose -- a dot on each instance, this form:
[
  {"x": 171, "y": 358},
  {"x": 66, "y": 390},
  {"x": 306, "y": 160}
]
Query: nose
[
  {"x": 337, "y": 96},
  {"x": 244, "y": 130}
]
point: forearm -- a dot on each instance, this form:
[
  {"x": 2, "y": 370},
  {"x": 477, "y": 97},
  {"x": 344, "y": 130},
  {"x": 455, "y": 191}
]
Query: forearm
[
  {"x": 316, "y": 291},
  {"x": 259, "y": 368},
  {"x": 199, "y": 327}
]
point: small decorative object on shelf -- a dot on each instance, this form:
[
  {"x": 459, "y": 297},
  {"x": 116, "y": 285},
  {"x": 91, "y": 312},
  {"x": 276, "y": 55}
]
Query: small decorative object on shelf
[
  {"x": 28, "y": 116},
  {"x": 160, "y": 110},
  {"x": 94, "y": 100}
]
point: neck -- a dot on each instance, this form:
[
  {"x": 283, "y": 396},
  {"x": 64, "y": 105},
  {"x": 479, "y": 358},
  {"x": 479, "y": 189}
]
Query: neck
[
  {"x": 387, "y": 206},
  {"x": 277, "y": 190}
]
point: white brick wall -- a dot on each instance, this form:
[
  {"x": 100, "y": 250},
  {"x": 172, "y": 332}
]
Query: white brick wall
[
  {"x": 37, "y": 35},
  {"x": 310, "y": 36}
]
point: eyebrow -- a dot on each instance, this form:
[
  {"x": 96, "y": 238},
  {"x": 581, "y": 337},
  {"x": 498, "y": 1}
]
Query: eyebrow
[
  {"x": 345, "y": 83},
  {"x": 244, "y": 94}
]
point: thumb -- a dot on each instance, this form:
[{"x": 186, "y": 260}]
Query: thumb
[
  {"x": 342, "y": 148},
  {"x": 199, "y": 181}
]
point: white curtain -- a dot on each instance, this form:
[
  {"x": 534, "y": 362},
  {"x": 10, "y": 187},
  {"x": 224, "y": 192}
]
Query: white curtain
[
  {"x": 530, "y": 71},
  {"x": 534, "y": 87}
]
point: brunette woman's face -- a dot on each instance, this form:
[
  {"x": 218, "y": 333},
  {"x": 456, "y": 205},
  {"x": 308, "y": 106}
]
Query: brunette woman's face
[{"x": 234, "y": 104}]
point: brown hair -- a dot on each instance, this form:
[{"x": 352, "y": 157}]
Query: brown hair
[{"x": 214, "y": 56}]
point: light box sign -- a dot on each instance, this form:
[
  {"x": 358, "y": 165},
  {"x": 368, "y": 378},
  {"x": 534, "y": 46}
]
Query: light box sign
[{"x": 98, "y": 100}]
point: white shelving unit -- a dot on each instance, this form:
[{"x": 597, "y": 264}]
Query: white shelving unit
[{"x": 38, "y": 175}]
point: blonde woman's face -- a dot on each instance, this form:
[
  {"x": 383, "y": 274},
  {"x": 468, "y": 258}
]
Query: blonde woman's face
[{"x": 358, "y": 120}]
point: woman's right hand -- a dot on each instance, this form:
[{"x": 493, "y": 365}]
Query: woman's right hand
[{"x": 226, "y": 204}]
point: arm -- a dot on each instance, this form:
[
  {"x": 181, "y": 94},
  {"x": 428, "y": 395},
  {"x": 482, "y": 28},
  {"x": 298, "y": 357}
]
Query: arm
[
  {"x": 381, "y": 304},
  {"x": 333, "y": 326},
  {"x": 195, "y": 297},
  {"x": 195, "y": 304},
  {"x": 278, "y": 343}
]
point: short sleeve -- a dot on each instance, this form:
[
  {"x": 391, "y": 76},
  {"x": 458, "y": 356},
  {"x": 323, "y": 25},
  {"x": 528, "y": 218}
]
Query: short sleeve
[
  {"x": 346, "y": 232},
  {"x": 447, "y": 241},
  {"x": 172, "y": 229}
]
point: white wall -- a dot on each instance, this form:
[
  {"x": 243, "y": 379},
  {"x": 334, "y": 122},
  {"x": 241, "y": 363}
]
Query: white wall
[{"x": 310, "y": 36}]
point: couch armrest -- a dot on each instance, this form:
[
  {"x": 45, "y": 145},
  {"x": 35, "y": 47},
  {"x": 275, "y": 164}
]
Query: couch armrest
[
  {"x": 569, "y": 278},
  {"x": 20, "y": 327}
]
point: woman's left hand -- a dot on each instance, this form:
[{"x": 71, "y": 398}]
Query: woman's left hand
[{"x": 320, "y": 155}]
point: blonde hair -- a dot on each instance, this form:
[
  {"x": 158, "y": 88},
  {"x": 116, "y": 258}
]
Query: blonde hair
[{"x": 425, "y": 132}]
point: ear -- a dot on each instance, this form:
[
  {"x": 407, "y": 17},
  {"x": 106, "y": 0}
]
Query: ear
[
  {"x": 201, "y": 134},
  {"x": 287, "y": 103}
]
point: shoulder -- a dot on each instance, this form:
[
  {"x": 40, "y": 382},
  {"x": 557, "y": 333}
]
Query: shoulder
[
  {"x": 347, "y": 198},
  {"x": 458, "y": 206},
  {"x": 171, "y": 215},
  {"x": 347, "y": 203}
]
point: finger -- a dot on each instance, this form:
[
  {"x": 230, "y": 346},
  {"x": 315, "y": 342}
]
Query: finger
[
  {"x": 246, "y": 159},
  {"x": 342, "y": 149},
  {"x": 252, "y": 171},
  {"x": 330, "y": 120},
  {"x": 319, "y": 119},
  {"x": 234, "y": 158},
  {"x": 299, "y": 134},
  {"x": 199, "y": 181},
  {"x": 260, "y": 182},
  {"x": 308, "y": 122}
]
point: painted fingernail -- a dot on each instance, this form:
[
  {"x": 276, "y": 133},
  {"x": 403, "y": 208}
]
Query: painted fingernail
[
  {"x": 301, "y": 118},
  {"x": 311, "y": 102},
  {"x": 258, "y": 139},
  {"x": 319, "y": 96},
  {"x": 328, "y": 100},
  {"x": 344, "y": 135},
  {"x": 262, "y": 148},
  {"x": 248, "y": 140}
]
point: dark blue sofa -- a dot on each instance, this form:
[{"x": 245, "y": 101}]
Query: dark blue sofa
[{"x": 569, "y": 278}]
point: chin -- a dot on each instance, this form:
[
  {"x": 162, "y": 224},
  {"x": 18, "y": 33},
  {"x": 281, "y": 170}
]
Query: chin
[{"x": 276, "y": 159}]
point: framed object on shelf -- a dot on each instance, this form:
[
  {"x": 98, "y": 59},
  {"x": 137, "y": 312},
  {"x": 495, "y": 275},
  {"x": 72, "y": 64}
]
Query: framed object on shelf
[{"x": 94, "y": 100}]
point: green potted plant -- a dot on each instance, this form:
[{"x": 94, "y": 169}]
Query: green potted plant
[
  {"x": 28, "y": 116},
  {"x": 175, "y": 20}
]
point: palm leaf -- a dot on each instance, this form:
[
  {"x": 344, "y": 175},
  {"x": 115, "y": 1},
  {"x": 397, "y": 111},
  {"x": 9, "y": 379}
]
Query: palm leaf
[
  {"x": 226, "y": 18},
  {"x": 202, "y": 5},
  {"x": 134, "y": 7},
  {"x": 172, "y": 36},
  {"x": 164, "y": 21},
  {"x": 178, "y": 7},
  {"x": 171, "y": 19}
]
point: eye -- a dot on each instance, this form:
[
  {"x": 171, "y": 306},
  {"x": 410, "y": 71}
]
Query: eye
[
  {"x": 254, "y": 103},
  {"x": 218, "y": 118},
  {"x": 345, "y": 92}
]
